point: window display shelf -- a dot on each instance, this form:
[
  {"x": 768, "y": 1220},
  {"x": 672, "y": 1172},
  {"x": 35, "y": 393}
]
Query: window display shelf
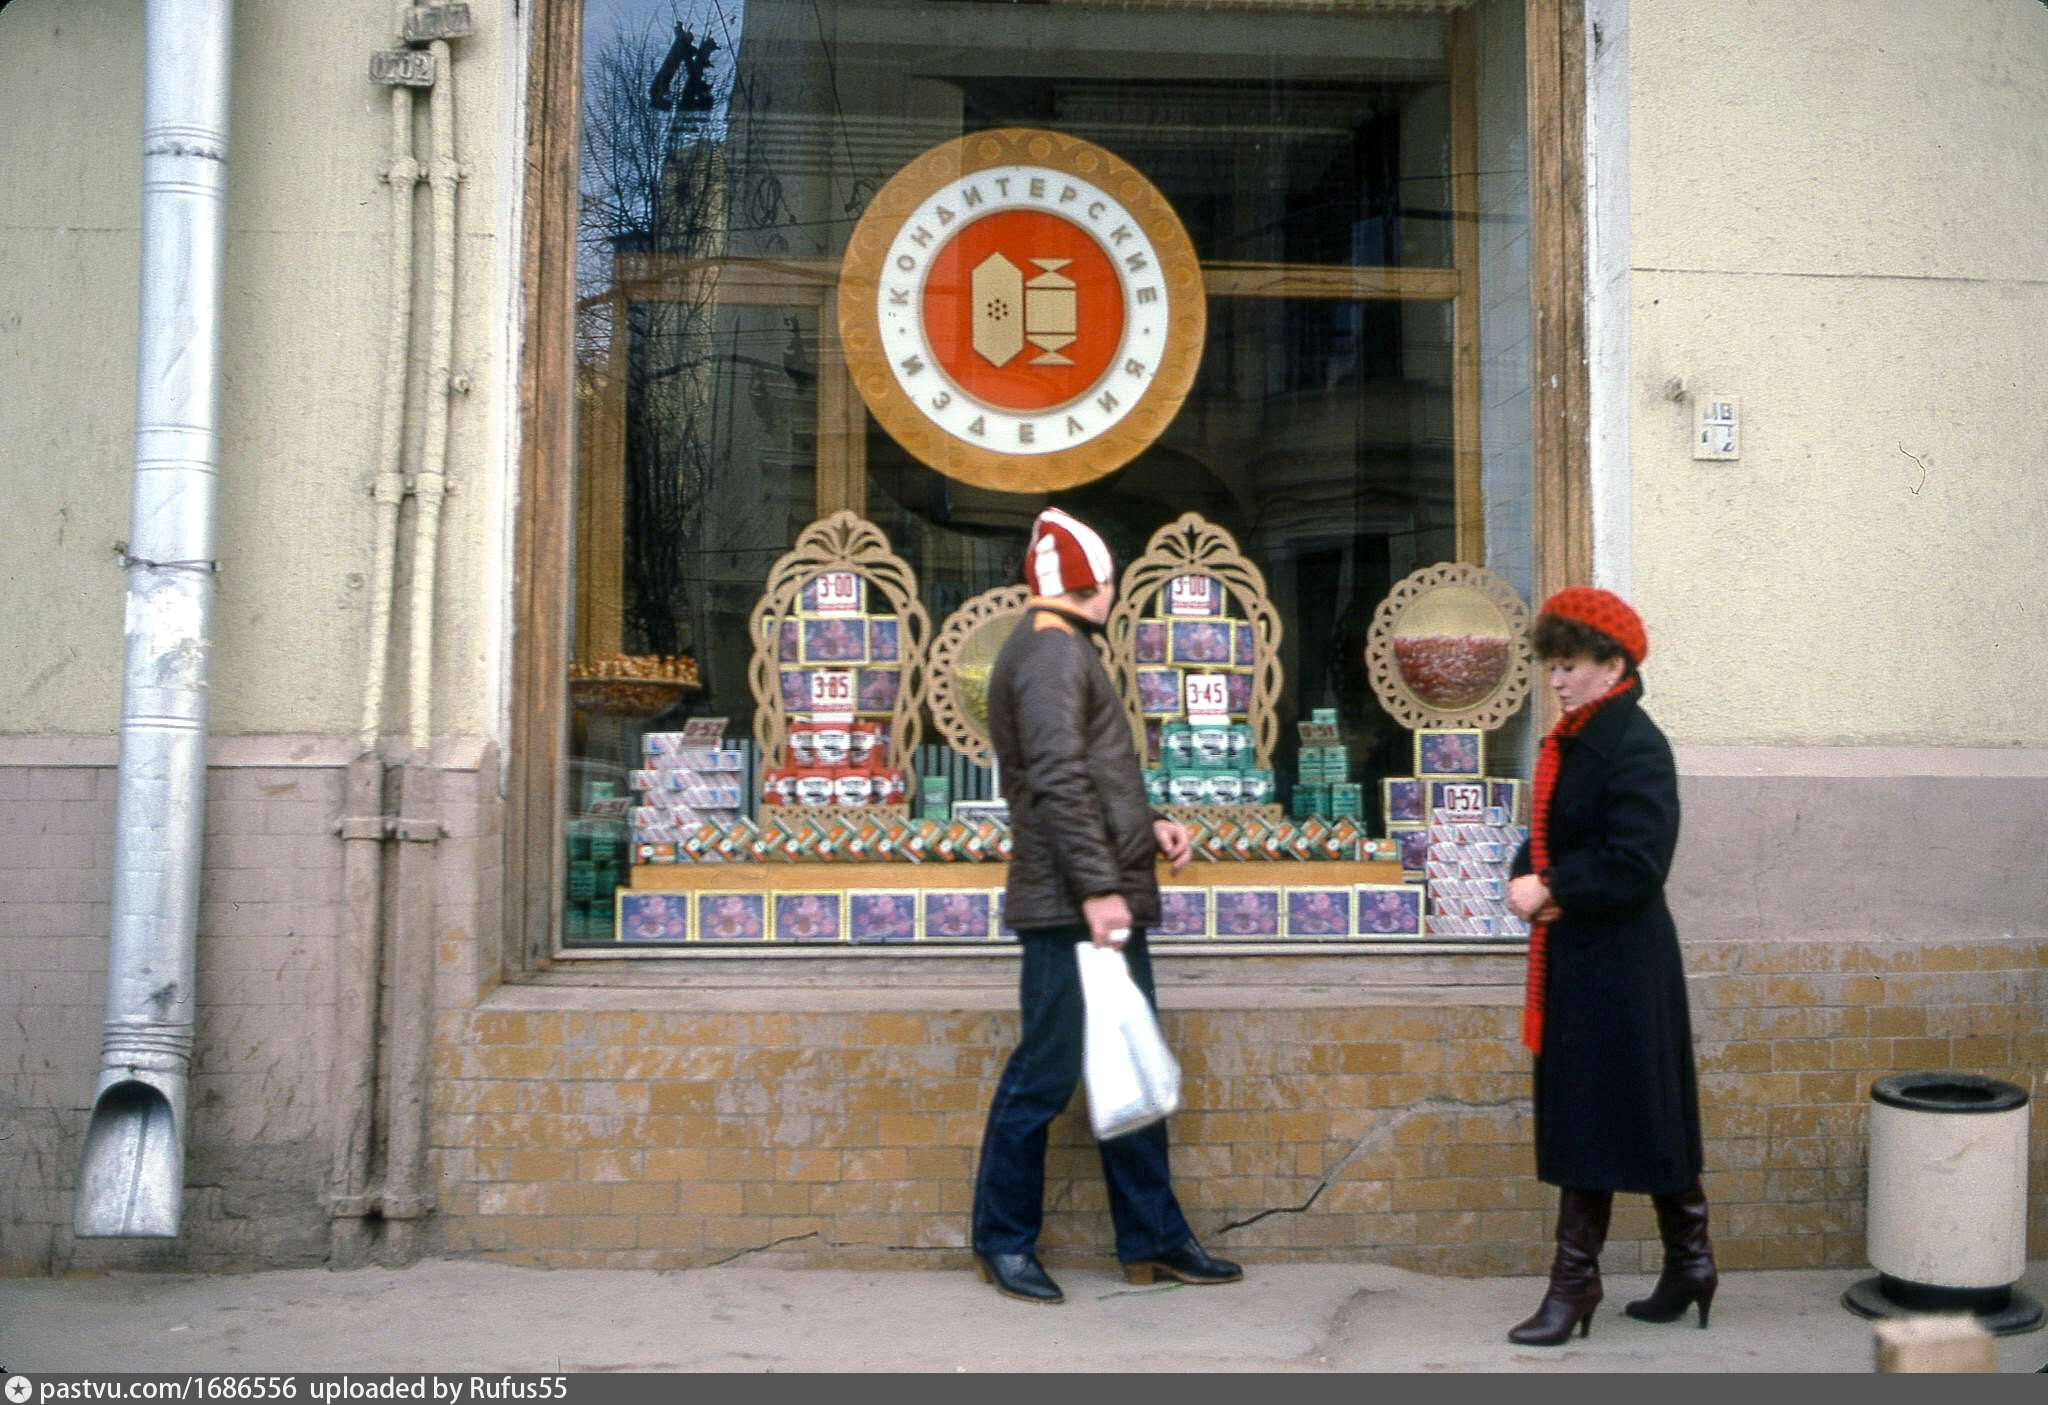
[{"x": 766, "y": 877}]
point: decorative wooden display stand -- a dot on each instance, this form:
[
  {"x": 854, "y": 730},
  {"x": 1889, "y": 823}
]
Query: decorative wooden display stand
[
  {"x": 1448, "y": 650},
  {"x": 1193, "y": 546},
  {"x": 839, "y": 543},
  {"x": 963, "y": 653}
]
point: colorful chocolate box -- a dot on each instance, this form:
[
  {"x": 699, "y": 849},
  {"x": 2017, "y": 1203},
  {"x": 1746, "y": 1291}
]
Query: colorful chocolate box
[
  {"x": 1389, "y": 909},
  {"x": 1450, "y": 751}
]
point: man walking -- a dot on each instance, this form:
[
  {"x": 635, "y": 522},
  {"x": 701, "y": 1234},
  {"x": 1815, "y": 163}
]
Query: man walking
[{"x": 1083, "y": 842}]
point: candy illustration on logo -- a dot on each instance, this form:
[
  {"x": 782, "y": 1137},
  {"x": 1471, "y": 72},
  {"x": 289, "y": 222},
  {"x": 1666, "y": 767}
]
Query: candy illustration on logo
[{"x": 1021, "y": 310}]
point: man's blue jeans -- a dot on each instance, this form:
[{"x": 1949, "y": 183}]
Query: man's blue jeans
[{"x": 1036, "y": 1086}]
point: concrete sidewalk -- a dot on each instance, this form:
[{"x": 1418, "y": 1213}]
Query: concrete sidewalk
[{"x": 470, "y": 1316}]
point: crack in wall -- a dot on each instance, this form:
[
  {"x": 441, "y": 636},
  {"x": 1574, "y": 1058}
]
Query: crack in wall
[
  {"x": 1372, "y": 1141},
  {"x": 818, "y": 1235}
]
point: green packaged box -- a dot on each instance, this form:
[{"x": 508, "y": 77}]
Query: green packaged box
[
  {"x": 1310, "y": 802},
  {"x": 1209, "y": 748},
  {"x": 1176, "y": 747},
  {"x": 1347, "y": 801},
  {"x": 1336, "y": 764},
  {"x": 935, "y": 797}
]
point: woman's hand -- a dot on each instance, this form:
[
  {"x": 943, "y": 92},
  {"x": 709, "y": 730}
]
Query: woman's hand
[{"x": 1529, "y": 899}]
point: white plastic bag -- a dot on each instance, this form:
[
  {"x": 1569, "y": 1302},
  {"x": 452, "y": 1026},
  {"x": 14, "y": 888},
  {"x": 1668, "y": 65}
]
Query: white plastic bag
[{"x": 1133, "y": 1080}]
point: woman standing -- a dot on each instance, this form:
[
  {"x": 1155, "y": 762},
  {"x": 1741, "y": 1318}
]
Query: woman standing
[{"x": 1617, "y": 1102}]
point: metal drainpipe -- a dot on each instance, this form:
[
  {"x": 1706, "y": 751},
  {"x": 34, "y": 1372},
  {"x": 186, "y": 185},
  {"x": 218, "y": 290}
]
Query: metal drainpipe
[
  {"x": 131, "y": 1180},
  {"x": 364, "y": 828},
  {"x": 407, "y": 1199}
]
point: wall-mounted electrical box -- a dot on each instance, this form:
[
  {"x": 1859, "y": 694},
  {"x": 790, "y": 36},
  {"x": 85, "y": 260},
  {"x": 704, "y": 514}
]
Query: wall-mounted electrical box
[{"x": 1716, "y": 427}]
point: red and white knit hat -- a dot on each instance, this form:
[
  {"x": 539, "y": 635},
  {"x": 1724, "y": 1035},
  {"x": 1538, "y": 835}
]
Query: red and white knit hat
[{"x": 1065, "y": 554}]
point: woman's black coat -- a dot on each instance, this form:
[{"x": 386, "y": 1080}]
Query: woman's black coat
[{"x": 1617, "y": 1101}]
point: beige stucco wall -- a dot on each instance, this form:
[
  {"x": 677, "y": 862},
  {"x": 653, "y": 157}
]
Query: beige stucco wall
[
  {"x": 1836, "y": 216},
  {"x": 1832, "y": 217},
  {"x": 304, "y": 336}
]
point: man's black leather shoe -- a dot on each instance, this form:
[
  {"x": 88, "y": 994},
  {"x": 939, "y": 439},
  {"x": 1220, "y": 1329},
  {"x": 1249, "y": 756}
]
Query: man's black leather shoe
[
  {"x": 1188, "y": 1263},
  {"x": 1019, "y": 1276}
]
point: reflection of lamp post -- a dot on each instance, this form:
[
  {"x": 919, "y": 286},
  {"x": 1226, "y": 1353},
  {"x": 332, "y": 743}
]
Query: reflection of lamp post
[{"x": 695, "y": 58}]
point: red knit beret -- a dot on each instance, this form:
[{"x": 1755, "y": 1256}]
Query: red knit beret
[
  {"x": 1605, "y": 611},
  {"x": 1065, "y": 554}
]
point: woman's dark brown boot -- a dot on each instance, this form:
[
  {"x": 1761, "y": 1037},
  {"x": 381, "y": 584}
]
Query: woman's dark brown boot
[
  {"x": 1688, "y": 1275},
  {"x": 1574, "y": 1274}
]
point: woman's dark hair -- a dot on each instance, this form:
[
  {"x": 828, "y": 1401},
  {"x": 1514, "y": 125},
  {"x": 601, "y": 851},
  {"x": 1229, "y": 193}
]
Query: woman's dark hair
[{"x": 1555, "y": 637}]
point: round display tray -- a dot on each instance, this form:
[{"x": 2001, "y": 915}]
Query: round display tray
[
  {"x": 1448, "y": 648},
  {"x": 628, "y": 697}
]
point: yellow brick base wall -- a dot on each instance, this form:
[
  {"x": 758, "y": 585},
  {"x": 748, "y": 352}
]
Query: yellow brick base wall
[{"x": 614, "y": 1129}]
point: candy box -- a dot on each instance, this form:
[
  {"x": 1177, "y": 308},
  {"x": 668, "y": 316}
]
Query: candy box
[
  {"x": 1389, "y": 909},
  {"x": 1318, "y": 912},
  {"x": 1247, "y": 912}
]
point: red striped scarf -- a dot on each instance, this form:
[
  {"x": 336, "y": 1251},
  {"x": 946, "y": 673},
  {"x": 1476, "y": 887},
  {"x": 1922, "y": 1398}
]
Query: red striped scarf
[{"x": 1547, "y": 760}]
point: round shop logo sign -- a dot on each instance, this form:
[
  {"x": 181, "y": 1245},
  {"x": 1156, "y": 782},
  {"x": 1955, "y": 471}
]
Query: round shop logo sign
[{"x": 1021, "y": 310}]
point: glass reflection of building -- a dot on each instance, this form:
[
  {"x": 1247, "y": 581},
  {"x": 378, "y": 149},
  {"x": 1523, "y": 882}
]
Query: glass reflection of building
[{"x": 1354, "y": 183}]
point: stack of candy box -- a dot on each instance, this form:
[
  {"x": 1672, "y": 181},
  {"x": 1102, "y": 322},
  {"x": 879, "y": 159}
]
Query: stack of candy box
[
  {"x": 1323, "y": 787},
  {"x": 1207, "y": 763},
  {"x": 685, "y": 779},
  {"x": 598, "y": 851},
  {"x": 837, "y": 763},
  {"x": 839, "y": 670},
  {"x": 1456, "y": 830},
  {"x": 1467, "y": 868}
]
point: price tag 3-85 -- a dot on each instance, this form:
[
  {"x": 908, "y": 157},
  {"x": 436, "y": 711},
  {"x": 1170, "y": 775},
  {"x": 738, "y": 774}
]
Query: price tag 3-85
[{"x": 831, "y": 691}]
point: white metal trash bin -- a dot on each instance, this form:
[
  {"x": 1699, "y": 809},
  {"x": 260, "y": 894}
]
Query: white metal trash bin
[{"x": 1947, "y": 1209}]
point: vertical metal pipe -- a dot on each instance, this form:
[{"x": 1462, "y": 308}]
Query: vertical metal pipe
[
  {"x": 352, "y": 1085},
  {"x": 131, "y": 1181},
  {"x": 352, "y": 1082},
  {"x": 444, "y": 171},
  {"x": 388, "y": 488},
  {"x": 407, "y": 1197}
]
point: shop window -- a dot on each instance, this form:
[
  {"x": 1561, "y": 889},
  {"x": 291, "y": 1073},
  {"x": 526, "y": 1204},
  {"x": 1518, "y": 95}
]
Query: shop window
[{"x": 1353, "y": 179}]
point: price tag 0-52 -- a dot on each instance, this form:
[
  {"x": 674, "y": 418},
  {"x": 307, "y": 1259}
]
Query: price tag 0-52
[
  {"x": 1460, "y": 802},
  {"x": 700, "y": 732}
]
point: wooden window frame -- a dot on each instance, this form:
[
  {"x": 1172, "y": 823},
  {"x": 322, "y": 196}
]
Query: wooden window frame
[{"x": 545, "y": 596}]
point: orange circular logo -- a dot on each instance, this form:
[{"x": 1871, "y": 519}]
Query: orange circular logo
[{"x": 1021, "y": 310}]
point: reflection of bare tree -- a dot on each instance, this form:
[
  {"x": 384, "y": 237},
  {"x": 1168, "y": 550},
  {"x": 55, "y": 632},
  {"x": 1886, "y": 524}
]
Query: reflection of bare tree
[{"x": 653, "y": 185}]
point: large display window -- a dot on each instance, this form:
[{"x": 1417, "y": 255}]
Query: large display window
[{"x": 750, "y": 534}]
